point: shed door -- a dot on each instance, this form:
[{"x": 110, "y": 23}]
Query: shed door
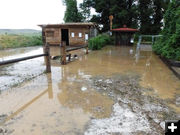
[{"x": 65, "y": 35}]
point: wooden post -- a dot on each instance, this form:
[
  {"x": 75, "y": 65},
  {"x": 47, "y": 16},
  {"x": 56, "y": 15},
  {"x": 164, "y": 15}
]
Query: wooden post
[
  {"x": 111, "y": 18},
  {"x": 69, "y": 57},
  {"x": 87, "y": 50},
  {"x": 86, "y": 42},
  {"x": 63, "y": 52},
  {"x": 47, "y": 58}
]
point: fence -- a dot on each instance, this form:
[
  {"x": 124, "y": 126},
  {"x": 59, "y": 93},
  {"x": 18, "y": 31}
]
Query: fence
[
  {"x": 145, "y": 36},
  {"x": 46, "y": 55}
]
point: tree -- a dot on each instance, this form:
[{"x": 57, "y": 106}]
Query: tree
[
  {"x": 169, "y": 45},
  {"x": 85, "y": 8},
  {"x": 145, "y": 14},
  {"x": 124, "y": 12},
  {"x": 159, "y": 8},
  {"x": 72, "y": 14}
]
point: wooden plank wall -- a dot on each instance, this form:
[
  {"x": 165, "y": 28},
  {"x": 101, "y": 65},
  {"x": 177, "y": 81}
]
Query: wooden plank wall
[
  {"x": 74, "y": 41},
  {"x": 57, "y": 36}
]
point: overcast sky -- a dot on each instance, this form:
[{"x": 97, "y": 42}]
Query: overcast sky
[{"x": 20, "y": 14}]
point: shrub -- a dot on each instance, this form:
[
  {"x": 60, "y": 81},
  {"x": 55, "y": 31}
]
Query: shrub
[
  {"x": 168, "y": 46},
  {"x": 99, "y": 42}
]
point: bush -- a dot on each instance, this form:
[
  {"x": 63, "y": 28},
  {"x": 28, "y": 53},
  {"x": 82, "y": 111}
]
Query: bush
[
  {"x": 99, "y": 42},
  {"x": 168, "y": 46}
]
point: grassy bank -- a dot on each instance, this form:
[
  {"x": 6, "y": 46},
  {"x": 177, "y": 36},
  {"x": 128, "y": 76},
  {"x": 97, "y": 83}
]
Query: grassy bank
[{"x": 13, "y": 40}]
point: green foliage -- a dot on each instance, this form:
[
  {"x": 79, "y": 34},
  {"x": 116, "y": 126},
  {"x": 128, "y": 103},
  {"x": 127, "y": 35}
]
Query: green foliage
[
  {"x": 144, "y": 14},
  {"x": 72, "y": 14},
  {"x": 169, "y": 45},
  {"x": 12, "y": 41},
  {"x": 99, "y": 42},
  {"x": 130, "y": 12},
  {"x": 86, "y": 10}
]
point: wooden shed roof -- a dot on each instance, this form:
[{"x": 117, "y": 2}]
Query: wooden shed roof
[{"x": 67, "y": 25}]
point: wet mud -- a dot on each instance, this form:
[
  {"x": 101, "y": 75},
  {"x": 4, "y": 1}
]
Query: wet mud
[{"x": 133, "y": 111}]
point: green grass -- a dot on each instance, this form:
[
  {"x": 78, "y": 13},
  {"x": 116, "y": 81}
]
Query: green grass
[{"x": 14, "y": 41}]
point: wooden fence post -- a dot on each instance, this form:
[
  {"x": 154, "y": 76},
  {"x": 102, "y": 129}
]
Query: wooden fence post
[
  {"x": 47, "y": 58},
  {"x": 69, "y": 57},
  {"x": 63, "y": 52},
  {"x": 87, "y": 50},
  {"x": 86, "y": 47}
]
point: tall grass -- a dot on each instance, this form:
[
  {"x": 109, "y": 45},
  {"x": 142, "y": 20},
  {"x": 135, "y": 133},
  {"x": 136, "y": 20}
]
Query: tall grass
[{"x": 13, "y": 41}]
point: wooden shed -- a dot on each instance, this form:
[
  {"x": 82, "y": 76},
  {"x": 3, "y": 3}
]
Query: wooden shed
[
  {"x": 75, "y": 34},
  {"x": 123, "y": 36}
]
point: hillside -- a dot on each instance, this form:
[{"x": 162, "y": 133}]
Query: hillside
[{"x": 19, "y": 31}]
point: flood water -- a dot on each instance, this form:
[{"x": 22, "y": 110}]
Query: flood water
[{"x": 67, "y": 102}]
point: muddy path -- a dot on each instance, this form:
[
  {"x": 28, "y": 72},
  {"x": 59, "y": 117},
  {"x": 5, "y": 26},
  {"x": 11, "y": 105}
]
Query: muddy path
[{"x": 106, "y": 92}]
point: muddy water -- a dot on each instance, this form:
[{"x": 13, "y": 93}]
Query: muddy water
[{"x": 64, "y": 102}]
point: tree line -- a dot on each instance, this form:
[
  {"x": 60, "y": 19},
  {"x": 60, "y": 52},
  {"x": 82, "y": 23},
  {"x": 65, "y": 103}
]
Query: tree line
[{"x": 147, "y": 15}]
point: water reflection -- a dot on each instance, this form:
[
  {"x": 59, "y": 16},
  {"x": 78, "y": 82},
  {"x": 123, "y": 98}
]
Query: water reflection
[
  {"x": 50, "y": 87},
  {"x": 49, "y": 90}
]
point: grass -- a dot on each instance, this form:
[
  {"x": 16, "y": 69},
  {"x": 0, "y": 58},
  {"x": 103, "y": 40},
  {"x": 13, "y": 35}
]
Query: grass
[{"x": 14, "y": 41}]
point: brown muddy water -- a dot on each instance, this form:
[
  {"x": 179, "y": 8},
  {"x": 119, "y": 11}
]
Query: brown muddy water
[{"x": 116, "y": 90}]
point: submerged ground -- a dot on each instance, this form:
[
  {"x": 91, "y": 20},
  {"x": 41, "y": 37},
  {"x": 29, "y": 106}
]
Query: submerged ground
[{"x": 109, "y": 92}]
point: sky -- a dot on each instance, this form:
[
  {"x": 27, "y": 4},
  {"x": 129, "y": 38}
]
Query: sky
[{"x": 27, "y": 14}]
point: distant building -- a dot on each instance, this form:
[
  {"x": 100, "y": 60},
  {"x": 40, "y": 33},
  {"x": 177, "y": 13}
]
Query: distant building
[
  {"x": 124, "y": 36},
  {"x": 75, "y": 34}
]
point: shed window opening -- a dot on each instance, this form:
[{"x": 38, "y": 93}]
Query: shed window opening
[
  {"x": 50, "y": 33},
  {"x": 86, "y": 36},
  {"x": 80, "y": 34},
  {"x": 72, "y": 34}
]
